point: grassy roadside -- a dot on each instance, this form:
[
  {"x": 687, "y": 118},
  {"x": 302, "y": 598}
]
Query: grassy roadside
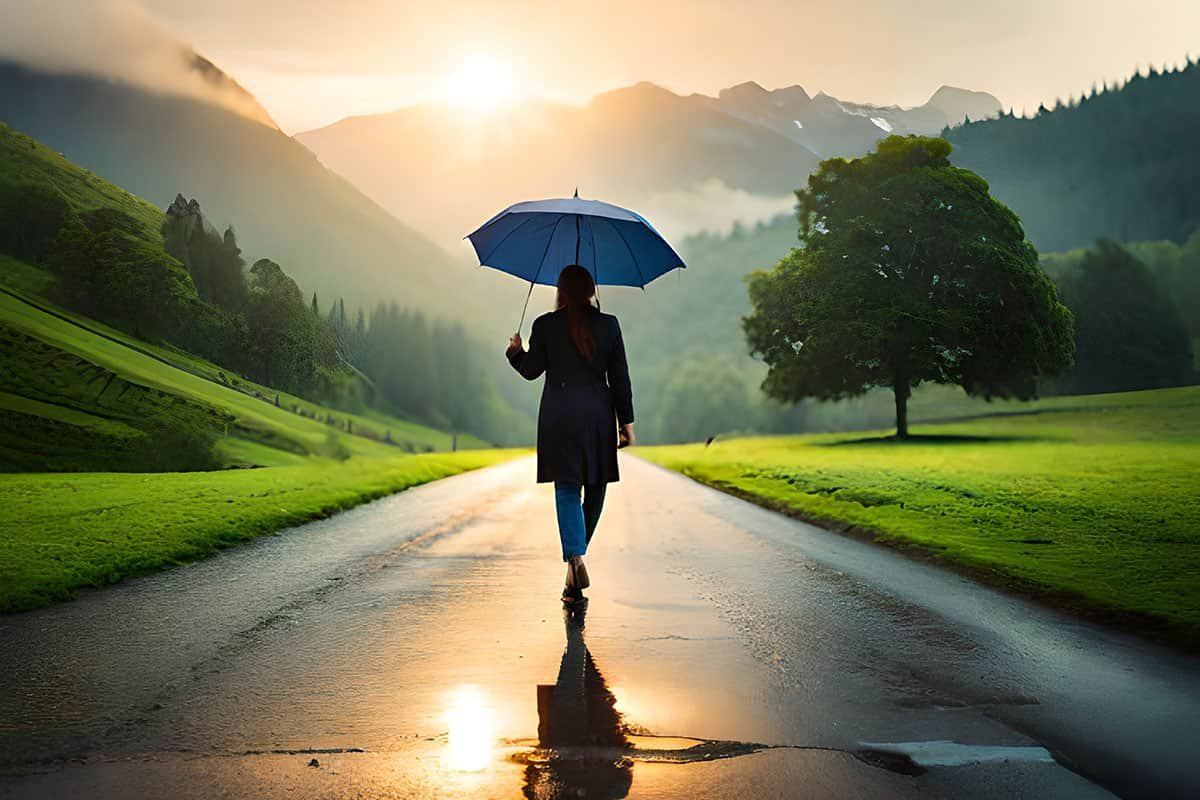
[
  {"x": 64, "y": 531},
  {"x": 1092, "y": 502}
]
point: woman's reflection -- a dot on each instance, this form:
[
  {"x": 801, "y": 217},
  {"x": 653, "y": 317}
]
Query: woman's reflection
[{"x": 580, "y": 731}]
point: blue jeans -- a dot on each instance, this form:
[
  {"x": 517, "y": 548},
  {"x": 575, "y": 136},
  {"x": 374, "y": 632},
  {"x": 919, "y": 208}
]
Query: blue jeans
[{"x": 577, "y": 520}]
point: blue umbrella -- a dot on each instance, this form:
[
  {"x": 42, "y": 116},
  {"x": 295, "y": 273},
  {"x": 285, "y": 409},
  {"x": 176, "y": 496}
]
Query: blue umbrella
[{"x": 536, "y": 239}]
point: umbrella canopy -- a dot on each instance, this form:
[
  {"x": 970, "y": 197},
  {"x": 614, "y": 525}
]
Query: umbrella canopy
[{"x": 536, "y": 239}]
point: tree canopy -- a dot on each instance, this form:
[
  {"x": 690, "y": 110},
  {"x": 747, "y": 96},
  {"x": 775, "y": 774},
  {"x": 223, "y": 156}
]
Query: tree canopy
[
  {"x": 1128, "y": 334},
  {"x": 911, "y": 272},
  {"x": 1177, "y": 270}
]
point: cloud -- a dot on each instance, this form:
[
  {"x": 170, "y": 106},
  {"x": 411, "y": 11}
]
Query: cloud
[
  {"x": 712, "y": 206},
  {"x": 115, "y": 39}
]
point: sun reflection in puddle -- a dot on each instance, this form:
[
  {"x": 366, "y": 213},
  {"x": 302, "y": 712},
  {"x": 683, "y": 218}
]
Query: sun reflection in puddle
[
  {"x": 625, "y": 703},
  {"x": 472, "y": 743}
]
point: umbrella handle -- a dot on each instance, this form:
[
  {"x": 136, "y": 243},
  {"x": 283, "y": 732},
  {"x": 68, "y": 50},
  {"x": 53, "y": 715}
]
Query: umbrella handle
[{"x": 525, "y": 308}]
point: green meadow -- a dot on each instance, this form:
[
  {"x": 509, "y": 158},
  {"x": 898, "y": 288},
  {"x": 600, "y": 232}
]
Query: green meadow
[
  {"x": 1092, "y": 502},
  {"x": 61, "y": 532},
  {"x": 86, "y": 409}
]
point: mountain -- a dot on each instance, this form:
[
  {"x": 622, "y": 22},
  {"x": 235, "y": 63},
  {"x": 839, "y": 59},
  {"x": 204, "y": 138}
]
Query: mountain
[
  {"x": 831, "y": 127},
  {"x": 955, "y": 104},
  {"x": 689, "y": 163},
  {"x": 225, "y": 90},
  {"x": 287, "y": 206},
  {"x": 818, "y": 123},
  {"x": 1119, "y": 163},
  {"x": 447, "y": 171}
]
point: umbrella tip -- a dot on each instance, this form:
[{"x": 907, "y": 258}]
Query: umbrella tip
[{"x": 577, "y": 192}]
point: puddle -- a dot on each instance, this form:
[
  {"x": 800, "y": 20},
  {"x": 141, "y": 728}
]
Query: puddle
[{"x": 585, "y": 747}]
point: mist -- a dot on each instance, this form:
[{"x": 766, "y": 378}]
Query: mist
[
  {"x": 118, "y": 40},
  {"x": 712, "y": 206}
]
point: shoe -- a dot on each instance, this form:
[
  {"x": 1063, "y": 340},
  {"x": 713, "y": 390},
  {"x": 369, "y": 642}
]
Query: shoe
[
  {"x": 572, "y": 596},
  {"x": 578, "y": 572}
]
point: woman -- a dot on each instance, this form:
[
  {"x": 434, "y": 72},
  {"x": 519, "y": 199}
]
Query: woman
[{"x": 587, "y": 383}]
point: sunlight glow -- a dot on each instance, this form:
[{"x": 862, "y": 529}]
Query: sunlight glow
[
  {"x": 480, "y": 84},
  {"x": 624, "y": 703},
  {"x": 472, "y": 740}
]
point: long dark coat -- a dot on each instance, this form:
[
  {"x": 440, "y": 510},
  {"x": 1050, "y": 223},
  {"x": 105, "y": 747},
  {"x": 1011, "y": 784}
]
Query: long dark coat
[{"x": 582, "y": 402}]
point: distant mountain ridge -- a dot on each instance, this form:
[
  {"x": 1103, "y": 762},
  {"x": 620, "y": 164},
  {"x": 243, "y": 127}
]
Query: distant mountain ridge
[
  {"x": 832, "y": 127},
  {"x": 448, "y": 171},
  {"x": 670, "y": 155},
  {"x": 691, "y": 162}
]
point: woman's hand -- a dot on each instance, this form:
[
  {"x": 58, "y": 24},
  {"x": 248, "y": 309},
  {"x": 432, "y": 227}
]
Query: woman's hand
[
  {"x": 625, "y": 435},
  {"x": 514, "y": 343}
]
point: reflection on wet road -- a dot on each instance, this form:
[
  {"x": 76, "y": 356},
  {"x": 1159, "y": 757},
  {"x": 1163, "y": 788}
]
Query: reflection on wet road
[
  {"x": 581, "y": 735},
  {"x": 406, "y": 649},
  {"x": 470, "y": 734},
  {"x": 585, "y": 747}
]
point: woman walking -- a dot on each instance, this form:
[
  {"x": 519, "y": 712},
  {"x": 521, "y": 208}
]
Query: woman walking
[{"x": 586, "y": 412}]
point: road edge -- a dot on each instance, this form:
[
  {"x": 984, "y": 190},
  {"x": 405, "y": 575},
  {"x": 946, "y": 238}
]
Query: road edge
[{"x": 1147, "y": 627}]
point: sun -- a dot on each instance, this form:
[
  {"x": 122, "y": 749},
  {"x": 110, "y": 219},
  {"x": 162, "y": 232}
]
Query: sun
[{"x": 479, "y": 83}]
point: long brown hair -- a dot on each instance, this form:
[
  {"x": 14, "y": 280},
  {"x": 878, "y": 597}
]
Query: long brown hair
[{"x": 575, "y": 292}]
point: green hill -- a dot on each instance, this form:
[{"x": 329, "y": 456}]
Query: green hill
[
  {"x": 29, "y": 168},
  {"x": 118, "y": 448},
  {"x": 81, "y": 354},
  {"x": 1120, "y": 163},
  {"x": 79, "y": 396},
  {"x": 68, "y": 235}
]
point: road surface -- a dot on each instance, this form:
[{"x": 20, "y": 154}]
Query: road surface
[{"x": 415, "y": 647}]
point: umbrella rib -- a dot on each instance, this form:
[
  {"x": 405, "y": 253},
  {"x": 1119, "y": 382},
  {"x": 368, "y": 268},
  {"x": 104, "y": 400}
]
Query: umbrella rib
[
  {"x": 587, "y": 221},
  {"x": 595, "y": 261},
  {"x": 629, "y": 249},
  {"x": 595, "y": 258},
  {"x": 546, "y": 252},
  {"x": 500, "y": 244}
]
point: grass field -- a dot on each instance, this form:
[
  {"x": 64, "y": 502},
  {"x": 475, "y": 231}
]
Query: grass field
[
  {"x": 61, "y": 532},
  {"x": 1093, "y": 502}
]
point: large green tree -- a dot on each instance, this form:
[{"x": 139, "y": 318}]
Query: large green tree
[{"x": 911, "y": 272}]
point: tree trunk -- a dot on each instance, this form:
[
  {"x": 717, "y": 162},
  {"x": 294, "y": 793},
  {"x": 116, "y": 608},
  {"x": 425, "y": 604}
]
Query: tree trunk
[{"x": 900, "y": 389}]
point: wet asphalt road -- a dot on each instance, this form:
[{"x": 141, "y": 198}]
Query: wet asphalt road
[{"x": 415, "y": 647}]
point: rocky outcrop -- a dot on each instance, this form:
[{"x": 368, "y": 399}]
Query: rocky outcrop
[{"x": 182, "y": 207}]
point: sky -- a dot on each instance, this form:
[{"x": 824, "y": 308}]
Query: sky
[{"x": 312, "y": 62}]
